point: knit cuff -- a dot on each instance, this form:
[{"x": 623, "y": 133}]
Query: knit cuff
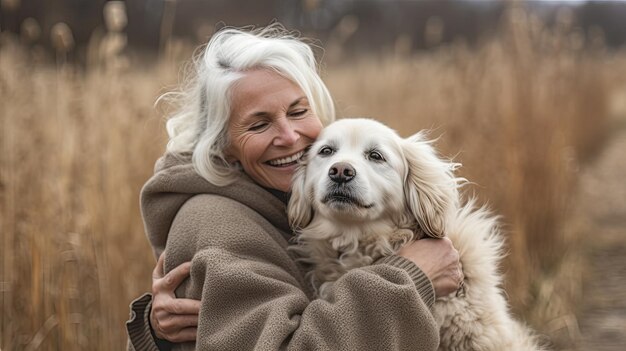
[
  {"x": 138, "y": 326},
  {"x": 422, "y": 283}
]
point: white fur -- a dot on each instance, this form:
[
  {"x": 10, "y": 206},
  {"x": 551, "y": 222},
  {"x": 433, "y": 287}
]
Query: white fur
[{"x": 410, "y": 194}]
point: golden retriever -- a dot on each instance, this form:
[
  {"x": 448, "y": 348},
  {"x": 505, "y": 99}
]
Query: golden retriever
[{"x": 362, "y": 191}]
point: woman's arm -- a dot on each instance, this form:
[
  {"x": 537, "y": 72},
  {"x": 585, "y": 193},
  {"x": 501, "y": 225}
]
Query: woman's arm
[
  {"x": 436, "y": 258},
  {"x": 171, "y": 318},
  {"x": 250, "y": 304},
  {"x": 254, "y": 295},
  {"x": 161, "y": 318}
]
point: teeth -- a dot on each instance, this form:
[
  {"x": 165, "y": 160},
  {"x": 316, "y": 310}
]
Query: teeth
[{"x": 288, "y": 159}]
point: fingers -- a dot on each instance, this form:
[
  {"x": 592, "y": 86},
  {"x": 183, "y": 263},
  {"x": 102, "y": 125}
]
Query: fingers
[
  {"x": 181, "y": 306},
  {"x": 173, "y": 319},
  {"x": 175, "y": 323},
  {"x": 176, "y": 276},
  {"x": 170, "y": 281},
  {"x": 457, "y": 276},
  {"x": 167, "y": 325},
  {"x": 184, "y": 335},
  {"x": 157, "y": 273},
  {"x": 178, "y": 328},
  {"x": 439, "y": 260}
]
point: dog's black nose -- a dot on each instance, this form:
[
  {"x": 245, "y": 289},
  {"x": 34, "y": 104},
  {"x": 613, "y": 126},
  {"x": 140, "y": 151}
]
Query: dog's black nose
[{"x": 341, "y": 172}]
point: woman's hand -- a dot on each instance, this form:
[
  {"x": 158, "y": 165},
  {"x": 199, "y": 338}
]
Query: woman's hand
[
  {"x": 172, "y": 319},
  {"x": 439, "y": 260}
]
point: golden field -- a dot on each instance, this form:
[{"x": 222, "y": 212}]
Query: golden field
[{"x": 522, "y": 112}]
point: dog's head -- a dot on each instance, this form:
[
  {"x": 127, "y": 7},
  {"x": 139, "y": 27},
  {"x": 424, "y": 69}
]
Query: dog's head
[{"x": 361, "y": 171}]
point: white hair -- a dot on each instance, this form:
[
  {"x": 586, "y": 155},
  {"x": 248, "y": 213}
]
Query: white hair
[{"x": 201, "y": 123}]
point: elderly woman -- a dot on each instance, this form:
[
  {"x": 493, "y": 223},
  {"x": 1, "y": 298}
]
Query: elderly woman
[{"x": 218, "y": 199}]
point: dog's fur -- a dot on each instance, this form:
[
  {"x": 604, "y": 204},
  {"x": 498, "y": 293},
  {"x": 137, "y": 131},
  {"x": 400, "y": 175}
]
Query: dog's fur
[{"x": 400, "y": 190}]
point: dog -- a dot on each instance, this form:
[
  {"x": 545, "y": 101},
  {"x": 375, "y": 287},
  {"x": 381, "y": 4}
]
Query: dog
[{"x": 361, "y": 192}]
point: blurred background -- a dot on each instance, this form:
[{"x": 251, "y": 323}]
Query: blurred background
[{"x": 529, "y": 95}]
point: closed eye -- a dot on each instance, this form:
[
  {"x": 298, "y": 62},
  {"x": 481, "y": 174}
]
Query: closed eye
[
  {"x": 298, "y": 113},
  {"x": 258, "y": 126}
]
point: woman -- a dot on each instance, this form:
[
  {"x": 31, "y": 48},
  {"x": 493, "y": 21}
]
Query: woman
[{"x": 218, "y": 199}]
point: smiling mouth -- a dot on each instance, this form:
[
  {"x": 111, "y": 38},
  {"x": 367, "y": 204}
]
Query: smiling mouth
[{"x": 286, "y": 161}]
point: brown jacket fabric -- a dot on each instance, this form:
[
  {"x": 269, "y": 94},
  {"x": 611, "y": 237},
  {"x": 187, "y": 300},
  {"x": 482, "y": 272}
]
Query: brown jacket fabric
[{"x": 254, "y": 294}]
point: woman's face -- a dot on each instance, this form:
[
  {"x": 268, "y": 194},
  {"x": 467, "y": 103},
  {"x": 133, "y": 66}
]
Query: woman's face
[{"x": 271, "y": 123}]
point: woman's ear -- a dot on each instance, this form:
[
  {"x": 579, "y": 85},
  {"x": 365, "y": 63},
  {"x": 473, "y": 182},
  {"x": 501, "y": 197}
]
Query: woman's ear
[
  {"x": 299, "y": 209},
  {"x": 431, "y": 190}
]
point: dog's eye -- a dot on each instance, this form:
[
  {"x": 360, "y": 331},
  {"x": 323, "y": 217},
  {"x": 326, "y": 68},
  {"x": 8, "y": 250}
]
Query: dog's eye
[
  {"x": 375, "y": 156},
  {"x": 326, "y": 151}
]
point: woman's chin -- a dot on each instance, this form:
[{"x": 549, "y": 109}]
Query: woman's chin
[
  {"x": 282, "y": 180},
  {"x": 279, "y": 178}
]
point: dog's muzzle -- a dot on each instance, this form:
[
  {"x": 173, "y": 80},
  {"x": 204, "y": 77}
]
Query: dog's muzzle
[{"x": 341, "y": 172}]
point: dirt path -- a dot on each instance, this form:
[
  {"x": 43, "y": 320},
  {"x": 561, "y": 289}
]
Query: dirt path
[{"x": 602, "y": 318}]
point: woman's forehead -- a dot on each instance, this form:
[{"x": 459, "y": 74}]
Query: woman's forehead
[
  {"x": 261, "y": 87},
  {"x": 261, "y": 77}
]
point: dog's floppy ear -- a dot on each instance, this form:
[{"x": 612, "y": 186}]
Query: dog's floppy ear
[
  {"x": 431, "y": 190},
  {"x": 299, "y": 210}
]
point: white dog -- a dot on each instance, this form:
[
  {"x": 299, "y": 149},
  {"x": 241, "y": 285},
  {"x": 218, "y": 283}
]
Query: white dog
[{"x": 362, "y": 192}]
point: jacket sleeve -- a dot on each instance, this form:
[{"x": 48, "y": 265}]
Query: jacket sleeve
[
  {"x": 140, "y": 334},
  {"x": 251, "y": 299},
  {"x": 138, "y": 326}
]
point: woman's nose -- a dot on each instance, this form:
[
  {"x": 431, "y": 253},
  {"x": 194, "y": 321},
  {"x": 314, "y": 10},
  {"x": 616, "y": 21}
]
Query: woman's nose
[{"x": 287, "y": 134}]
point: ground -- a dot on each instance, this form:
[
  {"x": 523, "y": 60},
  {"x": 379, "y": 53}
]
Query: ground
[{"x": 602, "y": 201}]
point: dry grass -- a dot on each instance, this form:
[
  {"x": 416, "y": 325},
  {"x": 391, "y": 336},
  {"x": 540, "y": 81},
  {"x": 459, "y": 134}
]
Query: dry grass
[
  {"x": 75, "y": 151},
  {"x": 521, "y": 112}
]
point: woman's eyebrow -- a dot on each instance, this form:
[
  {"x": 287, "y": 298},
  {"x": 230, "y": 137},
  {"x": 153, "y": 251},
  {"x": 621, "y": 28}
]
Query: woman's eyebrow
[
  {"x": 297, "y": 101},
  {"x": 293, "y": 104},
  {"x": 258, "y": 114}
]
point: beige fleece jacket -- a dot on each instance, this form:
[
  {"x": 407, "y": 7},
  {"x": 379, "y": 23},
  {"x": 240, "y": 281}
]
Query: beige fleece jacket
[{"x": 254, "y": 294}]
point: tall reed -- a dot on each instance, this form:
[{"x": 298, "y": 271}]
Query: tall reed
[
  {"x": 75, "y": 151},
  {"x": 520, "y": 112}
]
